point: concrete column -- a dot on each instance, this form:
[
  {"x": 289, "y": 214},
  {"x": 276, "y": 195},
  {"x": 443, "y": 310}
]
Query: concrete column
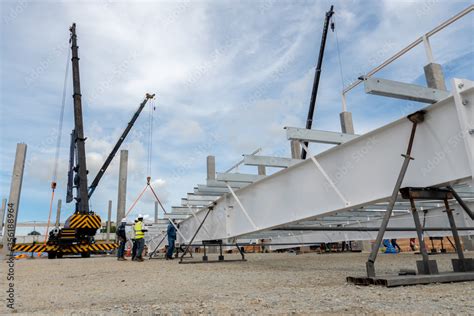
[
  {"x": 14, "y": 198},
  {"x": 156, "y": 212},
  {"x": 434, "y": 76},
  {"x": 295, "y": 149},
  {"x": 58, "y": 214},
  {"x": 262, "y": 171},
  {"x": 2, "y": 215},
  {"x": 347, "y": 125},
  {"x": 211, "y": 168},
  {"x": 122, "y": 186},
  {"x": 109, "y": 219}
]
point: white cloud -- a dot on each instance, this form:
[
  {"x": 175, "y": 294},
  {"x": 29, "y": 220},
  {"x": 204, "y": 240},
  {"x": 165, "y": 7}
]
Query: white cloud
[{"x": 182, "y": 130}]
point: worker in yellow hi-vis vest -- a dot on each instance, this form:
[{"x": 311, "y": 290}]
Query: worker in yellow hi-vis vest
[
  {"x": 134, "y": 241},
  {"x": 140, "y": 237}
]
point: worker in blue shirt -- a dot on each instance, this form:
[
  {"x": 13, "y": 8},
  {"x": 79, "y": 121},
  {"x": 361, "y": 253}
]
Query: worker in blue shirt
[
  {"x": 122, "y": 239},
  {"x": 171, "y": 232}
]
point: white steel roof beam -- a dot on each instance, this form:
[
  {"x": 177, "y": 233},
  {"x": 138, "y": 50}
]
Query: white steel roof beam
[
  {"x": 364, "y": 170},
  {"x": 404, "y": 91},
  {"x": 317, "y": 136},
  {"x": 199, "y": 197},
  {"x": 178, "y": 209},
  {"x": 221, "y": 184},
  {"x": 237, "y": 177},
  {"x": 213, "y": 193},
  {"x": 267, "y": 161},
  {"x": 186, "y": 202}
]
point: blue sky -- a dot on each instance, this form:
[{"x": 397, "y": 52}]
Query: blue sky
[{"x": 229, "y": 75}]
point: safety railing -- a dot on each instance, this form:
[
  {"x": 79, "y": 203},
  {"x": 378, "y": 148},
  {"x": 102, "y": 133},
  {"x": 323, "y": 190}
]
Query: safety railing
[{"x": 422, "y": 39}]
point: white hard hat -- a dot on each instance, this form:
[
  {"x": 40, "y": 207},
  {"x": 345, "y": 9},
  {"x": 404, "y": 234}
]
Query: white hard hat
[
  {"x": 124, "y": 220},
  {"x": 140, "y": 216}
]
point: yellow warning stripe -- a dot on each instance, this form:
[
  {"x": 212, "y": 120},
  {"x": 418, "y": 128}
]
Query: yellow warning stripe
[
  {"x": 75, "y": 218},
  {"x": 95, "y": 220},
  {"x": 33, "y": 248},
  {"x": 65, "y": 248},
  {"x": 85, "y": 221}
]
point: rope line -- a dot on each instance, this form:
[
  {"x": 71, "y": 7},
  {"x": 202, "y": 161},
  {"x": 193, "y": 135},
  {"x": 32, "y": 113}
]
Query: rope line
[
  {"x": 150, "y": 137},
  {"x": 338, "y": 53},
  {"x": 136, "y": 201},
  {"x": 58, "y": 146},
  {"x": 157, "y": 199},
  {"x": 49, "y": 218},
  {"x": 61, "y": 119}
]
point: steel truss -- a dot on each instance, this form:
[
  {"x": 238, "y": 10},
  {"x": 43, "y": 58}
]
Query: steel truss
[{"x": 355, "y": 175}]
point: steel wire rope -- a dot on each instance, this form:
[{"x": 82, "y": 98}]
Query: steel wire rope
[{"x": 58, "y": 146}]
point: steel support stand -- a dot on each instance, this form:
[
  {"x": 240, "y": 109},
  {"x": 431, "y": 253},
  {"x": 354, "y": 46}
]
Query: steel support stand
[
  {"x": 461, "y": 262},
  {"x": 156, "y": 248},
  {"x": 461, "y": 203},
  {"x": 241, "y": 252},
  {"x": 195, "y": 234},
  {"x": 197, "y": 220},
  {"x": 421, "y": 241},
  {"x": 415, "y": 118}
]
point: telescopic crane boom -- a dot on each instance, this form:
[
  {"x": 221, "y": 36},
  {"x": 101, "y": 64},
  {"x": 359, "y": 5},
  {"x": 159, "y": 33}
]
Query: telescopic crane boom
[
  {"x": 317, "y": 76},
  {"x": 82, "y": 198},
  {"x": 112, "y": 154}
]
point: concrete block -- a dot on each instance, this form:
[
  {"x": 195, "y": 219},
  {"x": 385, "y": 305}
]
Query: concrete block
[
  {"x": 434, "y": 76},
  {"x": 211, "y": 168},
  {"x": 347, "y": 126},
  {"x": 295, "y": 149},
  {"x": 262, "y": 171},
  {"x": 13, "y": 205},
  {"x": 122, "y": 186}
]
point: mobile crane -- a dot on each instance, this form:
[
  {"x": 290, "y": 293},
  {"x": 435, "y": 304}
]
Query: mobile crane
[{"x": 77, "y": 235}]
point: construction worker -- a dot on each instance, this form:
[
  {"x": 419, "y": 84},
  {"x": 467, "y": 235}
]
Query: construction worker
[
  {"x": 122, "y": 239},
  {"x": 395, "y": 245},
  {"x": 140, "y": 237},
  {"x": 171, "y": 232},
  {"x": 134, "y": 241}
]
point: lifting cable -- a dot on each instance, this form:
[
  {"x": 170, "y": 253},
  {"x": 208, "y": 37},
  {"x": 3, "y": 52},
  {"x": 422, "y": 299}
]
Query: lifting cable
[
  {"x": 58, "y": 145},
  {"x": 148, "y": 185},
  {"x": 152, "y": 109},
  {"x": 150, "y": 137},
  {"x": 333, "y": 27}
]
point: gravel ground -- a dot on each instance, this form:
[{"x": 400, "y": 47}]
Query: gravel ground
[{"x": 265, "y": 284}]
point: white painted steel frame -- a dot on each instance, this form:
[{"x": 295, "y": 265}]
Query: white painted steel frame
[
  {"x": 404, "y": 91},
  {"x": 364, "y": 169},
  {"x": 269, "y": 161},
  {"x": 434, "y": 218},
  {"x": 318, "y": 136}
]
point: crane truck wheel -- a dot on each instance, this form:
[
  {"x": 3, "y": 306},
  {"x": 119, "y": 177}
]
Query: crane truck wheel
[
  {"x": 59, "y": 255},
  {"x": 51, "y": 254},
  {"x": 86, "y": 254}
]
